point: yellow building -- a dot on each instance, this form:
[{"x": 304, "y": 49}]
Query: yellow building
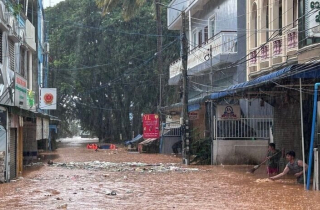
[{"x": 272, "y": 35}]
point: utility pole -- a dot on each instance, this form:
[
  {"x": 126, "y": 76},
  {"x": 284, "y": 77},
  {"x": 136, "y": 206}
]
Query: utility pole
[
  {"x": 211, "y": 106},
  {"x": 185, "y": 116}
]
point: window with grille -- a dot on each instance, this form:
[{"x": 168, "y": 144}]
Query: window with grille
[
  {"x": 22, "y": 62},
  {"x": 11, "y": 55}
]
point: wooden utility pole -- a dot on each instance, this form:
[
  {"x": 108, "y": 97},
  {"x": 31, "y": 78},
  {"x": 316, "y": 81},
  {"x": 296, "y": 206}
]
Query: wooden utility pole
[{"x": 184, "y": 116}]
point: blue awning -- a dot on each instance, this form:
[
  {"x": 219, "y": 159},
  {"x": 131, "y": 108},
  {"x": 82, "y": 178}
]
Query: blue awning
[
  {"x": 193, "y": 107},
  {"x": 134, "y": 140},
  {"x": 255, "y": 82}
]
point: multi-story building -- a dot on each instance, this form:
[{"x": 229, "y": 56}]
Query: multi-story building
[
  {"x": 216, "y": 60},
  {"x": 272, "y": 35},
  {"x": 283, "y": 54},
  {"x": 21, "y": 60}
]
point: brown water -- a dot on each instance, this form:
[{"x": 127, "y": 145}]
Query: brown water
[{"x": 212, "y": 187}]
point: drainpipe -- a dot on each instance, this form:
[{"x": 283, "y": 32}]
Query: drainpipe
[{"x": 314, "y": 115}]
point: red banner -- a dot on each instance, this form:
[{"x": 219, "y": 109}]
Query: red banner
[{"x": 151, "y": 126}]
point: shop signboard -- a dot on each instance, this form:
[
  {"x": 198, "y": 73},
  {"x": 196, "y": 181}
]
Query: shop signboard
[
  {"x": 151, "y": 126},
  {"x": 312, "y": 18},
  {"x": 228, "y": 111},
  {"x": 48, "y": 98},
  {"x": 20, "y": 92}
]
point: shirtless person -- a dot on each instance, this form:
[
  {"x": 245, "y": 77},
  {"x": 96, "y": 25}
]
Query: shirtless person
[{"x": 295, "y": 166}]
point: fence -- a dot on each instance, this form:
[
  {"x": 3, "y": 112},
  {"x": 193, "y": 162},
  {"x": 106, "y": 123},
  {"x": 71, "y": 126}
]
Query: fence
[{"x": 242, "y": 128}]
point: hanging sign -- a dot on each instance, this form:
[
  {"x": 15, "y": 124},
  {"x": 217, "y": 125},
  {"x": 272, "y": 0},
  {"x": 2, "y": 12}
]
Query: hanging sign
[
  {"x": 193, "y": 115},
  {"x": 48, "y": 98},
  {"x": 20, "y": 92},
  {"x": 151, "y": 126},
  {"x": 228, "y": 111}
]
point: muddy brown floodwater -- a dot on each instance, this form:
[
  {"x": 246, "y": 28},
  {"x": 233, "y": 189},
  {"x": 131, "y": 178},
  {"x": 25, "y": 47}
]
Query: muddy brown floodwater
[{"x": 85, "y": 179}]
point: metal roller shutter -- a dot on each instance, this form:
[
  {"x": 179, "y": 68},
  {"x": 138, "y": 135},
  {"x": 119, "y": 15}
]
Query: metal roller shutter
[{"x": 13, "y": 153}]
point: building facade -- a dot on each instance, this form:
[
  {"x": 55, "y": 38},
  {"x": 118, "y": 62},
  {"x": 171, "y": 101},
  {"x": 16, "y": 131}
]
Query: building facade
[{"x": 23, "y": 123}]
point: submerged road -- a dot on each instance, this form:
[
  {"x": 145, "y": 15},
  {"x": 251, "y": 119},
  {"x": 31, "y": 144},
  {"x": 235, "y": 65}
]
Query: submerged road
[{"x": 118, "y": 179}]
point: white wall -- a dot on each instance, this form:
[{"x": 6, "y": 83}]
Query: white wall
[{"x": 239, "y": 152}]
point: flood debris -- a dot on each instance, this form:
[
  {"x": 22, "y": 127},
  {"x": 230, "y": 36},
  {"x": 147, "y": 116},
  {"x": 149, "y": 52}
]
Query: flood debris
[
  {"x": 108, "y": 192},
  {"x": 125, "y": 166},
  {"x": 63, "y": 206}
]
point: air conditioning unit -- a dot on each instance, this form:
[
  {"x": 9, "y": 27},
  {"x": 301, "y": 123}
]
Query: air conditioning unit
[{"x": 46, "y": 47}]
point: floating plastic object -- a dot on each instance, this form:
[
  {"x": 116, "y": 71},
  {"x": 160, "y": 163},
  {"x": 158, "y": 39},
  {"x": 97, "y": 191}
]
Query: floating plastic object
[{"x": 92, "y": 146}]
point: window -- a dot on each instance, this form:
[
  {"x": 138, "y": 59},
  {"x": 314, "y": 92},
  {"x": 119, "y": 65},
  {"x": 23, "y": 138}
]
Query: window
[
  {"x": 206, "y": 34},
  {"x": 255, "y": 24},
  {"x": 22, "y": 63},
  {"x": 11, "y": 55},
  {"x": 194, "y": 39},
  {"x": 294, "y": 15},
  {"x": 267, "y": 20},
  {"x": 200, "y": 38},
  {"x": 1, "y": 61},
  {"x": 280, "y": 18},
  {"x": 212, "y": 25}
]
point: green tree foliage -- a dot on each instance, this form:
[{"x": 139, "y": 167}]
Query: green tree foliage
[{"x": 105, "y": 68}]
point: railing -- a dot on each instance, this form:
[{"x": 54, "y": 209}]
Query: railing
[
  {"x": 258, "y": 128},
  {"x": 277, "y": 46},
  {"x": 253, "y": 58},
  {"x": 223, "y": 43},
  {"x": 264, "y": 52},
  {"x": 292, "y": 39}
]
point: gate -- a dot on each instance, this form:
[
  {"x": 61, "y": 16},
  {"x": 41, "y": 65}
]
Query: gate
[
  {"x": 170, "y": 134},
  {"x": 242, "y": 128}
]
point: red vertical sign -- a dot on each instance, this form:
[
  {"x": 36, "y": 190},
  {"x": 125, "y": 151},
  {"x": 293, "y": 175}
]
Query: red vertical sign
[{"x": 150, "y": 126}]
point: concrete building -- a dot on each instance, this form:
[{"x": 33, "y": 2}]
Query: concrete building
[
  {"x": 217, "y": 60},
  {"x": 21, "y": 58},
  {"x": 272, "y": 35}
]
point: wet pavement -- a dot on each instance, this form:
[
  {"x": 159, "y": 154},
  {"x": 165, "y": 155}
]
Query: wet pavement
[{"x": 117, "y": 179}]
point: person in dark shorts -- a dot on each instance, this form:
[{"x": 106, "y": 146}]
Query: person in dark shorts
[
  {"x": 294, "y": 166},
  {"x": 273, "y": 157}
]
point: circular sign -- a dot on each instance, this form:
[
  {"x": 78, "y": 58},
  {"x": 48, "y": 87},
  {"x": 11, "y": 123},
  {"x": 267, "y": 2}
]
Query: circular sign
[{"x": 48, "y": 98}]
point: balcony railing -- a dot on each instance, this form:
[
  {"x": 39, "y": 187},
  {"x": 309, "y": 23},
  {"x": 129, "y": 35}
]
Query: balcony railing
[
  {"x": 277, "y": 47},
  {"x": 253, "y": 57},
  {"x": 223, "y": 43},
  {"x": 292, "y": 39},
  {"x": 264, "y": 52}
]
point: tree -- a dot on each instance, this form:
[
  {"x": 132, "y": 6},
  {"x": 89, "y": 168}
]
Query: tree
[{"x": 104, "y": 66}]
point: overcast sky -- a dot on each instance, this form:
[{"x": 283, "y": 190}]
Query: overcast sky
[{"x": 47, "y": 3}]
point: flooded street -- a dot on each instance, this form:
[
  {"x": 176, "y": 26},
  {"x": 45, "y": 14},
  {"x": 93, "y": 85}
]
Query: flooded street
[{"x": 117, "y": 179}]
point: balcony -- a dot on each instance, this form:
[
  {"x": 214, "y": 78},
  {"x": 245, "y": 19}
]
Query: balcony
[
  {"x": 265, "y": 56},
  {"x": 253, "y": 60},
  {"x": 3, "y": 18},
  {"x": 292, "y": 41},
  {"x": 223, "y": 45},
  {"x": 277, "y": 50}
]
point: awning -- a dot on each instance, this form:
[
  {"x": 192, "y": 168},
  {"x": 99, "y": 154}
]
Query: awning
[
  {"x": 148, "y": 141},
  {"x": 255, "y": 82},
  {"x": 134, "y": 140},
  {"x": 193, "y": 104}
]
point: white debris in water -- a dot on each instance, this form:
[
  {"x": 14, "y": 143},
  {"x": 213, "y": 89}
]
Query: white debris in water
[
  {"x": 125, "y": 166},
  {"x": 263, "y": 180}
]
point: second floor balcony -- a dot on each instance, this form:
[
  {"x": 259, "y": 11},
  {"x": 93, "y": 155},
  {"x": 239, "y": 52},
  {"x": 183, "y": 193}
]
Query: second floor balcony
[
  {"x": 274, "y": 52},
  {"x": 223, "y": 47}
]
